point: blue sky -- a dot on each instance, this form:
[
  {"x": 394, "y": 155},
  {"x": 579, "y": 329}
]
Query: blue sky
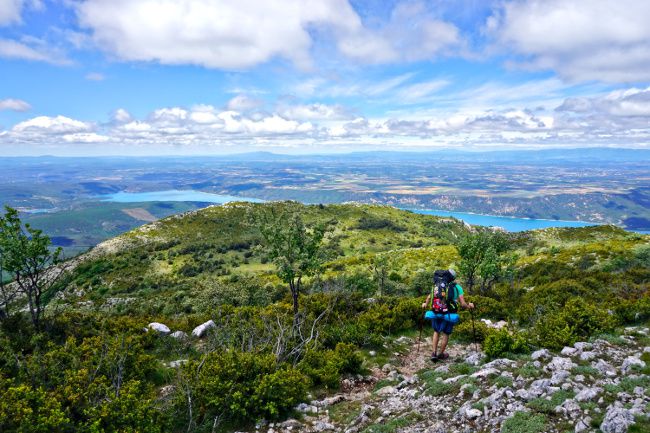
[{"x": 150, "y": 77}]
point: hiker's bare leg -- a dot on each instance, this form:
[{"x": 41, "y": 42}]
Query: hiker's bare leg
[
  {"x": 443, "y": 342},
  {"x": 434, "y": 340}
]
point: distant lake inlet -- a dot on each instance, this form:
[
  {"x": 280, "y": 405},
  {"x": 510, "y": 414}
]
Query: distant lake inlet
[
  {"x": 175, "y": 195},
  {"x": 509, "y": 223}
]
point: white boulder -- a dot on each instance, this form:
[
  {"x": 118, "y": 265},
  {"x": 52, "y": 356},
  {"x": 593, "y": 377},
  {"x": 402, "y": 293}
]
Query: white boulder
[
  {"x": 203, "y": 328},
  {"x": 179, "y": 335},
  {"x": 159, "y": 328}
]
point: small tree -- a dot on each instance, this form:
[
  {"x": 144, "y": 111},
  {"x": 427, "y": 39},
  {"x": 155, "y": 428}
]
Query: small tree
[
  {"x": 26, "y": 256},
  {"x": 379, "y": 266},
  {"x": 295, "y": 249},
  {"x": 482, "y": 259}
]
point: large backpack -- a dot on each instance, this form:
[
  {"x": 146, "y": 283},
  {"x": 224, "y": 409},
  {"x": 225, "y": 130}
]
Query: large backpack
[{"x": 443, "y": 293}]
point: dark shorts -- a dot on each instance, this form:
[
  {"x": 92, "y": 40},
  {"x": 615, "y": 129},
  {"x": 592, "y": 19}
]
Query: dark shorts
[{"x": 442, "y": 325}]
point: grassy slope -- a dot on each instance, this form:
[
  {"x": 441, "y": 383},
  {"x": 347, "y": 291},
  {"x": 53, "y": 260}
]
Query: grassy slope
[{"x": 179, "y": 256}]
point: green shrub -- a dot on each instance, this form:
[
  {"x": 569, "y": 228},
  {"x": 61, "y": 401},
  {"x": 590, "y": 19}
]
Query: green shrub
[
  {"x": 324, "y": 367},
  {"x": 548, "y": 406},
  {"x": 524, "y": 422},
  {"x": 501, "y": 342},
  {"x": 280, "y": 391},
  {"x": 553, "y": 332},
  {"x": 487, "y": 307},
  {"x": 633, "y": 310},
  {"x": 578, "y": 320},
  {"x": 25, "y": 409},
  {"x": 586, "y": 319},
  {"x": 240, "y": 387},
  {"x": 466, "y": 331}
]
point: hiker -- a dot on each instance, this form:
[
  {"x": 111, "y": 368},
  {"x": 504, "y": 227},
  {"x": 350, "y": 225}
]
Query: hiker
[{"x": 443, "y": 304}]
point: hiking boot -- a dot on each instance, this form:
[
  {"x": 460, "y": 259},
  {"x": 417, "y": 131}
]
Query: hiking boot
[
  {"x": 434, "y": 357},
  {"x": 443, "y": 356}
]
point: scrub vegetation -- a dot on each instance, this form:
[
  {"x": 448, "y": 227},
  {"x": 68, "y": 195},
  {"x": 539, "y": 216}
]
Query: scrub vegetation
[{"x": 89, "y": 366}]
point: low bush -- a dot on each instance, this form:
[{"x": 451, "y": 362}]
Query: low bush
[
  {"x": 503, "y": 341},
  {"x": 578, "y": 320},
  {"x": 467, "y": 331},
  {"x": 239, "y": 387},
  {"x": 524, "y": 422},
  {"x": 324, "y": 368}
]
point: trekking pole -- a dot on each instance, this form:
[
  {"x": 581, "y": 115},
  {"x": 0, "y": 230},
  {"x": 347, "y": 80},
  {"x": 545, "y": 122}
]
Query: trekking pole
[
  {"x": 420, "y": 337},
  {"x": 471, "y": 313}
]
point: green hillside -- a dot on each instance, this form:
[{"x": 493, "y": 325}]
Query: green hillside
[
  {"x": 166, "y": 265},
  {"x": 90, "y": 366}
]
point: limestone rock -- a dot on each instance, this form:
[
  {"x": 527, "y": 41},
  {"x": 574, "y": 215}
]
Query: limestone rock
[
  {"x": 203, "y": 328},
  {"x": 179, "y": 335},
  {"x": 387, "y": 390},
  {"x": 159, "y": 328},
  {"x": 583, "y": 425},
  {"x": 630, "y": 362},
  {"x": 320, "y": 426},
  {"x": 587, "y": 356},
  {"x": 486, "y": 372},
  {"x": 604, "y": 368},
  {"x": 617, "y": 420},
  {"x": 540, "y": 354},
  {"x": 474, "y": 358},
  {"x": 560, "y": 363},
  {"x": 582, "y": 346},
  {"x": 291, "y": 423},
  {"x": 569, "y": 351},
  {"x": 588, "y": 394}
]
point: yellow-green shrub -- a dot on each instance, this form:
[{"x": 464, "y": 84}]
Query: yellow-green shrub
[{"x": 503, "y": 341}]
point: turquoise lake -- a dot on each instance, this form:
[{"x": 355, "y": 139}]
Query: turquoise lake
[
  {"x": 510, "y": 224},
  {"x": 175, "y": 195}
]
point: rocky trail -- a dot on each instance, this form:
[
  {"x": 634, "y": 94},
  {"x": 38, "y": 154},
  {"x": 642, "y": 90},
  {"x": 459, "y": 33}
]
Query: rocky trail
[{"x": 600, "y": 386}]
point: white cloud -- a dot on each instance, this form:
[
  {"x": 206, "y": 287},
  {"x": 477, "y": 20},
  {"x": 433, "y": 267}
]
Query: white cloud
[
  {"x": 581, "y": 40},
  {"x": 85, "y": 137},
  {"x": 121, "y": 116},
  {"x": 31, "y": 49},
  {"x": 313, "y": 112},
  {"x": 631, "y": 103},
  {"x": 243, "y": 103},
  {"x": 10, "y": 11},
  {"x": 236, "y": 34},
  {"x": 417, "y": 92},
  {"x": 412, "y": 33},
  {"x": 57, "y": 125},
  {"x": 620, "y": 118},
  {"x": 95, "y": 76},
  {"x": 14, "y": 105},
  {"x": 211, "y": 33}
]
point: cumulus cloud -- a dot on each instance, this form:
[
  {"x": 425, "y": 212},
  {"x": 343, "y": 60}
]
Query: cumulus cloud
[
  {"x": 57, "y": 125},
  {"x": 211, "y": 33},
  {"x": 427, "y": 37},
  {"x": 121, "y": 116},
  {"x": 243, "y": 103},
  {"x": 45, "y": 130},
  {"x": 14, "y": 105},
  {"x": 620, "y": 118},
  {"x": 593, "y": 40},
  {"x": 314, "y": 112},
  {"x": 229, "y": 34}
]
